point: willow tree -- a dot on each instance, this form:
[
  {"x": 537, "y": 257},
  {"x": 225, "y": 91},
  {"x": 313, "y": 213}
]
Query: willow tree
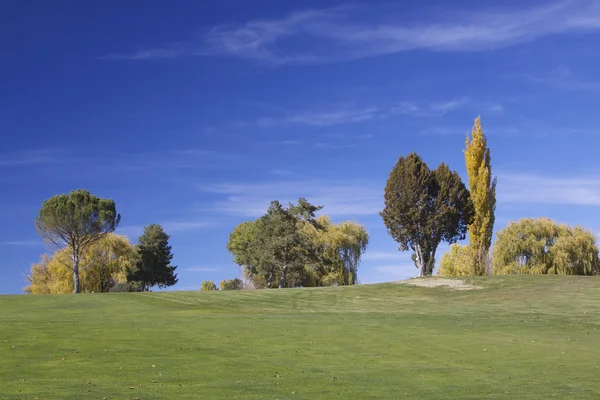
[
  {"x": 107, "y": 262},
  {"x": 76, "y": 221},
  {"x": 458, "y": 261},
  {"x": 575, "y": 252},
  {"x": 104, "y": 264},
  {"x": 340, "y": 248},
  {"x": 542, "y": 246},
  {"x": 483, "y": 195},
  {"x": 424, "y": 208}
]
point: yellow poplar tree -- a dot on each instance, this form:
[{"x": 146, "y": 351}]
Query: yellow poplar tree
[{"x": 483, "y": 196}]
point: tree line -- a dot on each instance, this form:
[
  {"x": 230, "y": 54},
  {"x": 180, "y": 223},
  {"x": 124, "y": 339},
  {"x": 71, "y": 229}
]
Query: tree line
[
  {"x": 424, "y": 208},
  {"x": 290, "y": 246},
  {"x": 89, "y": 257}
]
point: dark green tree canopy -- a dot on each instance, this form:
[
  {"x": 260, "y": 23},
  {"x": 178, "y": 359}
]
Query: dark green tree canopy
[
  {"x": 424, "y": 208},
  {"x": 76, "y": 221},
  {"x": 291, "y": 245},
  {"x": 283, "y": 245},
  {"x": 154, "y": 268}
]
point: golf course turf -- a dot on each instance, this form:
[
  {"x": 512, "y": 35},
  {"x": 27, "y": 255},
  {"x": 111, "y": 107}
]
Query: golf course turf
[{"x": 514, "y": 337}]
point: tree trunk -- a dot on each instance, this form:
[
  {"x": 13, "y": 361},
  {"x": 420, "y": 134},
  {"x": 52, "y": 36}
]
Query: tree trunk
[
  {"x": 431, "y": 262},
  {"x": 282, "y": 281},
  {"x": 420, "y": 261},
  {"x": 75, "y": 272}
]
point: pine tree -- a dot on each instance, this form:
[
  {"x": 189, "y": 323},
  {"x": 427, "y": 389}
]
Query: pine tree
[
  {"x": 75, "y": 222},
  {"x": 154, "y": 268},
  {"x": 483, "y": 196}
]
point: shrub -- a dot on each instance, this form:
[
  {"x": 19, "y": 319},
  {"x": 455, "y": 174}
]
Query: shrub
[
  {"x": 208, "y": 285},
  {"x": 459, "y": 261},
  {"x": 231, "y": 284},
  {"x": 121, "y": 287}
]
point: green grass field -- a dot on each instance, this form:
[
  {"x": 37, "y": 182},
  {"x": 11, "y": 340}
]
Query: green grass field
[{"x": 520, "y": 337}]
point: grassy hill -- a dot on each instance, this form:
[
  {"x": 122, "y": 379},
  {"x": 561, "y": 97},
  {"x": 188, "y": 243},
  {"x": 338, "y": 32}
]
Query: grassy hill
[{"x": 517, "y": 337}]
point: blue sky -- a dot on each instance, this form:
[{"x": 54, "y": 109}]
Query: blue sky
[{"x": 195, "y": 116}]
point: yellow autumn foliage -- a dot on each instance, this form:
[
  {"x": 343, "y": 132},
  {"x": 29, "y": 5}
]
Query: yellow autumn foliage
[
  {"x": 458, "y": 261},
  {"x": 102, "y": 265},
  {"x": 483, "y": 196},
  {"x": 342, "y": 246},
  {"x": 542, "y": 246}
]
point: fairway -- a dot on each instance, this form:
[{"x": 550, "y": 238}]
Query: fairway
[{"x": 516, "y": 337}]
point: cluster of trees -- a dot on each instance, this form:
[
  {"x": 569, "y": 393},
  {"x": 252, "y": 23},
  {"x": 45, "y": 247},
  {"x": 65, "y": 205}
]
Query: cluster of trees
[
  {"x": 292, "y": 247},
  {"x": 425, "y": 207},
  {"x": 226, "y": 284},
  {"x": 103, "y": 265},
  {"x": 89, "y": 256},
  {"x": 531, "y": 246}
]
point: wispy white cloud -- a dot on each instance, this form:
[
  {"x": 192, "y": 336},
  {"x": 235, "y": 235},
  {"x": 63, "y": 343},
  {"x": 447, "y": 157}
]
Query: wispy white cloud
[
  {"x": 353, "y": 32},
  {"x": 22, "y": 243},
  {"x": 167, "y": 159},
  {"x": 142, "y": 161},
  {"x": 439, "y": 109},
  {"x": 171, "y": 51},
  {"x": 490, "y": 130},
  {"x": 387, "y": 273},
  {"x": 32, "y": 158},
  {"x": 323, "y": 118},
  {"x": 435, "y": 109},
  {"x": 346, "y": 115},
  {"x": 530, "y": 188},
  {"x": 382, "y": 255},
  {"x": 396, "y": 270},
  {"x": 170, "y": 227},
  {"x": 339, "y": 198},
  {"x": 531, "y": 128},
  {"x": 284, "y": 143},
  {"x": 562, "y": 78},
  {"x": 187, "y": 225},
  {"x": 343, "y": 136},
  {"x": 333, "y": 146},
  {"x": 201, "y": 269},
  {"x": 282, "y": 172}
]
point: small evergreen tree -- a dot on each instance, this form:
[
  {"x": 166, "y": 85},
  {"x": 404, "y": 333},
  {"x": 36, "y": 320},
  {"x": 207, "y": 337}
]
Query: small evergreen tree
[{"x": 154, "y": 268}]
